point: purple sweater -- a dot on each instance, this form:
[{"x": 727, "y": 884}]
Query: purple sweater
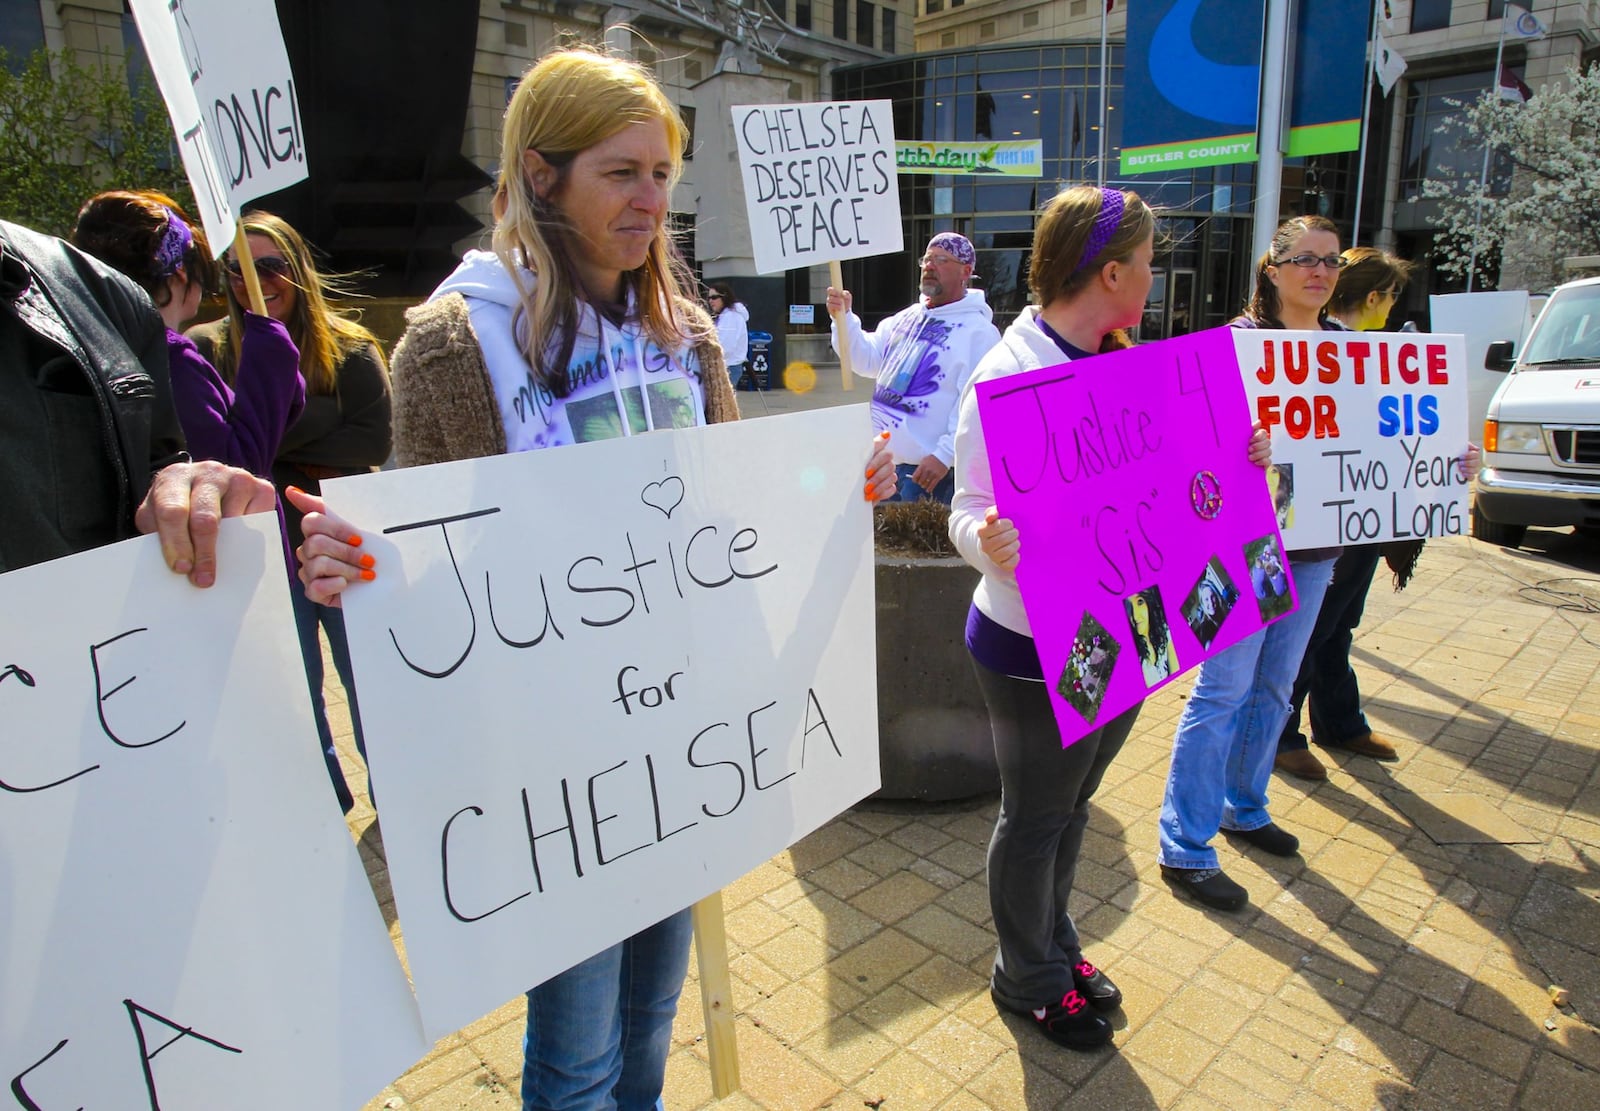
[{"x": 242, "y": 427}]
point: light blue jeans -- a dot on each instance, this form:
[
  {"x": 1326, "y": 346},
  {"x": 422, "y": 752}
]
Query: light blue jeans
[
  {"x": 599, "y": 1033},
  {"x": 1228, "y": 734}
]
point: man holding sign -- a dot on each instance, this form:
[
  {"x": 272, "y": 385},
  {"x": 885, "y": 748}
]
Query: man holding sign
[{"x": 922, "y": 358}]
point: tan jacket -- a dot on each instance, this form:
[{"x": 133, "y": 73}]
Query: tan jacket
[{"x": 444, "y": 406}]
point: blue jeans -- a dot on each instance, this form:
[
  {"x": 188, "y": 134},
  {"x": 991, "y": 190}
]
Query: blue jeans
[
  {"x": 735, "y": 372},
  {"x": 1325, "y": 673},
  {"x": 307, "y": 617},
  {"x": 599, "y": 1033},
  {"x": 1228, "y": 733},
  {"x": 910, "y": 491}
]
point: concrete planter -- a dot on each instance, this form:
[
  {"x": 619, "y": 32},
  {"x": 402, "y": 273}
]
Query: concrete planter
[{"x": 933, "y": 729}]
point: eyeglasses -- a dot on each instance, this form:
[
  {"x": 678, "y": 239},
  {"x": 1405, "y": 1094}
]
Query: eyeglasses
[
  {"x": 1392, "y": 294},
  {"x": 269, "y": 266},
  {"x": 939, "y": 260},
  {"x": 1310, "y": 262}
]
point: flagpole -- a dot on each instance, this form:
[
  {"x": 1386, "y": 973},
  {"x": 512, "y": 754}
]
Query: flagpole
[
  {"x": 1105, "y": 85},
  {"x": 1366, "y": 114},
  {"x": 1483, "y": 176}
]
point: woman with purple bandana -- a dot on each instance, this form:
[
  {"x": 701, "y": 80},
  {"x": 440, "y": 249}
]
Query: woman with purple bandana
[
  {"x": 922, "y": 357},
  {"x": 1089, "y": 278},
  {"x": 147, "y": 237}
]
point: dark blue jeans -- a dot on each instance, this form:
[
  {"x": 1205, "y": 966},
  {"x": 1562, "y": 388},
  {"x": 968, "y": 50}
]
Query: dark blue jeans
[
  {"x": 307, "y": 617},
  {"x": 1325, "y": 672}
]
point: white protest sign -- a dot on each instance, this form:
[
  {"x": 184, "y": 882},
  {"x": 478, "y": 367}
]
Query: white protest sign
[
  {"x": 602, "y": 682},
  {"x": 1366, "y": 428},
  {"x": 186, "y": 924},
  {"x": 224, "y": 74},
  {"x": 819, "y": 181}
]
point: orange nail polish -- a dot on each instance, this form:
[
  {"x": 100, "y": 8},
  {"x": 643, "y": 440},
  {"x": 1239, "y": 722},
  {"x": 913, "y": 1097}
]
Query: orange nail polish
[
  {"x": 871, "y": 494},
  {"x": 368, "y": 562},
  {"x": 368, "y": 576},
  {"x": 354, "y": 540}
]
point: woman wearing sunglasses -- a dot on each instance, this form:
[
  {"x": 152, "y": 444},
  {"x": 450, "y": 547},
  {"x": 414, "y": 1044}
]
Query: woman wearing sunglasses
[
  {"x": 1227, "y": 737},
  {"x": 733, "y": 328},
  {"x": 149, "y": 238},
  {"x": 345, "y": 429}
]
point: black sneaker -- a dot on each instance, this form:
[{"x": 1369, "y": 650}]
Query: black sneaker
[
  {"x": 1270, "y": 838},
  {"x": 1209, "y": 886},
  {"x": 1071, "y": 1023},
  {"x": 1096, "y": 987}
]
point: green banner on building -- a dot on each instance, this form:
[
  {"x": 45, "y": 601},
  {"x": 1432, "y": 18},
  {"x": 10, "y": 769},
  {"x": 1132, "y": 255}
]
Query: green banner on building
[{"x": 1024, "y": 158}]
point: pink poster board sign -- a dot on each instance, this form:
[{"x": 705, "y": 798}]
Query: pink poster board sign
[{"x": 1149, "y": 540}]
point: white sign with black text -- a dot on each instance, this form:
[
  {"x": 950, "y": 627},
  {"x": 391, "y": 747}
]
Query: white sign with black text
[
  {"x": 186, "y": 922},
  {"x": 601, "y": 682},
  {"x": 224, "y": 74},
  {"x": 819, "y": 181}
]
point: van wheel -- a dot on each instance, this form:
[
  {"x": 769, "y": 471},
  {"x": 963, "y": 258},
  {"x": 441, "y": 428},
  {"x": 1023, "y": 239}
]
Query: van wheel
[{"x": 1492, "y": 532}]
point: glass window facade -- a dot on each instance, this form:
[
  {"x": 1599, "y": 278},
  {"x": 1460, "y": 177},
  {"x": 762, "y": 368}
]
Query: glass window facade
[{"x": 1051, "y": 92}]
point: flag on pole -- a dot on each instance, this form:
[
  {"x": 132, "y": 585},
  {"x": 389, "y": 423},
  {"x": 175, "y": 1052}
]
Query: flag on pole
[
  {"x": 1387, "y": 64},
  {"x": 1522, "y": 23},
  {"x": 1386, "y": 15},
  {"x": 1512, "y": 86}
]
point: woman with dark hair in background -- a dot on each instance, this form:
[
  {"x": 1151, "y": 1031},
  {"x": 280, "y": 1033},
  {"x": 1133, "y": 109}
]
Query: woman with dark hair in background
[
  {"x": 344, "y": 430},
  {"x": 733, "y": 328},
  {"x": 1089, "y": 278},
  {"x": 150, "y": 239}
]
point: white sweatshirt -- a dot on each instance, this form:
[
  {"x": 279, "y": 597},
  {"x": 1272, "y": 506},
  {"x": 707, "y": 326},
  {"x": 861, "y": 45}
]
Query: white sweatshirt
[
  {"x": 1024, "y": 347},
  {"x": 622, "y": 382},
  {"x": 922, "y": 359},
  {"x": 733, "y": 332}
]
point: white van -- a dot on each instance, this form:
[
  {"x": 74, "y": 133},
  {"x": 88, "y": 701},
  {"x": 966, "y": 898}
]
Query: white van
[{"x": 1541, "y": 451}]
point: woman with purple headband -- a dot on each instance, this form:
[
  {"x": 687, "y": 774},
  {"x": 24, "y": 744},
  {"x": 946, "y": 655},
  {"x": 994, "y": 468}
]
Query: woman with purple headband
[
  {"x": 1090, "y": 276},
  {"x": 147, "y": 237}
]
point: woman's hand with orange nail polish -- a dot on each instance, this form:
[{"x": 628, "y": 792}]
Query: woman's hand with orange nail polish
[
  {"x": 331, "y": 558},
  {"x": 881, "y": 478}
]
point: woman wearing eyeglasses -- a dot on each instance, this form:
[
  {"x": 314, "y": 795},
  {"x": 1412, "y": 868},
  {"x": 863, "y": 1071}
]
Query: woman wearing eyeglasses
[
  {"x": 345, "y": 428},
  {"x": 1369, "y": 285},
  {"x": 733, "y": 328},
  {"x": 149, "y": 238},
  {"x": 1227, "y": 737}
]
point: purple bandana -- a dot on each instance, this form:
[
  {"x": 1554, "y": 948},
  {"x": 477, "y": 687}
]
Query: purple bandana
[
  {"x": 1105, "y": 226},
  {"x": 959, "y": 247},
  {"x": 175, "y": 243}
]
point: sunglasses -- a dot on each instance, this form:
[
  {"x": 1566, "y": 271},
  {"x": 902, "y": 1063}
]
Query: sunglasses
[
  {"x": 1311, "y": 262},
  {"x": 715, "y": 297},
  {"x": 270, "y": 266}
]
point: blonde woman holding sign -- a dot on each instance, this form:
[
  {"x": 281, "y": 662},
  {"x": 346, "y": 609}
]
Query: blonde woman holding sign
[{"x": 583, "y": 265}]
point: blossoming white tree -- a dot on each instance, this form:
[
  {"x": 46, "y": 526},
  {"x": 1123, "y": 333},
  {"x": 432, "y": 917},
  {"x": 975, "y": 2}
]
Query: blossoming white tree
[{"x": 1551, "y": 145}]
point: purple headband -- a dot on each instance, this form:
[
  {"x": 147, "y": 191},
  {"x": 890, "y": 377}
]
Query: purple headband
[
  {"x": 959, "y": 246},
  {"x": 175, "y": 243},
  {"x": 1112, "y": 203}
]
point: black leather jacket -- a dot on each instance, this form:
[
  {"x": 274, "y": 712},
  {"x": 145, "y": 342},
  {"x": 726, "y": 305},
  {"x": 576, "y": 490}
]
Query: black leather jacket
[{"x": 108, "y": 326}]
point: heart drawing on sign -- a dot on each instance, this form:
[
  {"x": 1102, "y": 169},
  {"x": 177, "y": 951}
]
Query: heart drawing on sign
[{"x": 665, "y": 495}]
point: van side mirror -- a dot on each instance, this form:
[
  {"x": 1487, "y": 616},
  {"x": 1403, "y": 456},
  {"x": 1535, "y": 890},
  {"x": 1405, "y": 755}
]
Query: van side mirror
[{"x": 1498, "y": 356}]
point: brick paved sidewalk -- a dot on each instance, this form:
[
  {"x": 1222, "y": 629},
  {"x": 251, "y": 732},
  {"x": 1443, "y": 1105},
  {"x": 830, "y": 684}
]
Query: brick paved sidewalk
[{"x": 1379, "y": 969}]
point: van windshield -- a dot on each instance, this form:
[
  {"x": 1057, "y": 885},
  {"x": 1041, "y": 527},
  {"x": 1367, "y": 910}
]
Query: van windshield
[{"x": 1569, "y": 330}]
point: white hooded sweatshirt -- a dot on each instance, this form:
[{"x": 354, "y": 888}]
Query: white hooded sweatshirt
[
  {"x": 733, "y": 332},
  {"x": 922, "y": 358},
  {"x": 1025, "y": 347},
  {"x": 613, "y": 370}
]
